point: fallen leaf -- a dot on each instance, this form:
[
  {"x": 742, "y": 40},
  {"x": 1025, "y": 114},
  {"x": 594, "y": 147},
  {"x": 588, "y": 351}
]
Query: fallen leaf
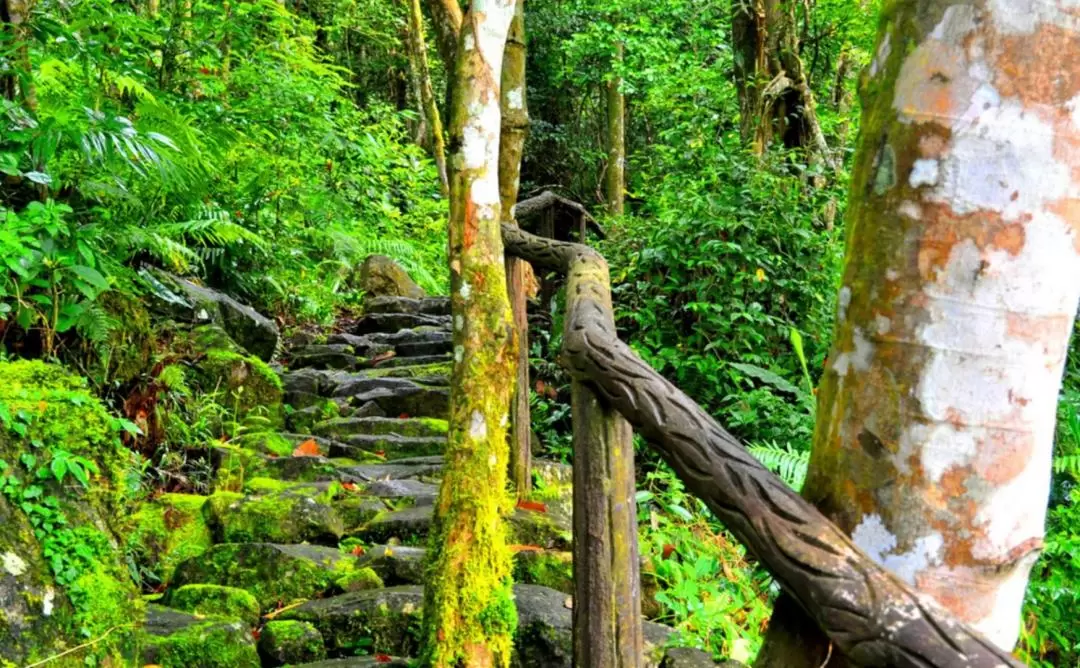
[
  {"x": 525, "y": 548},
  {"x": 532, "y": 505},
  {"x": 669, "y": 549},
  {"x": 308, "y": 448},
  {"x": 358, "y": 551},
  {"x": 256, "y": 633},
  {"x": 351, "y": 486},
  {"x": 380, "y": 453},
  {"x": 382, "y": 357},
  {"x": 403, "y": 416},
  {"x": 383, "y": 658}
]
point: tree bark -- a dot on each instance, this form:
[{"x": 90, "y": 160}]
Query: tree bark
[
  {"x": 446, "y": 19},
  {"x": 469, "y": 613},
  {"x": 418, "y": 55},
  {"x": 515, "y": 128},
  {"x": 20, "y": 84},
  {"x": 615, "y": 178},
  {"x": 936, "y": 413}
]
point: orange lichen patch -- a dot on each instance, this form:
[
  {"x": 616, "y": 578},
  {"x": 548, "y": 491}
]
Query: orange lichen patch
[
  {"x": 1049, "y": 331},
  {"x": 965, "y": 592},
  {"x": 472, "y": 223},
  {"x": 945, "y": 229},
  {"x": 1020, "y": 71},
  {"x": 1004, "y": 457}
]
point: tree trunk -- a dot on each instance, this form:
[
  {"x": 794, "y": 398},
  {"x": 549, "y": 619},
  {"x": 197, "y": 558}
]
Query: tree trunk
[
  {"x": 418, "y": 58},
  {"x": 469, "y": 613},
  {"x": 446, "y": 19},
  {"x": 615, "y": 178},
  {"x": 775, "y": 100},
  {"x": 20, "y": 84},
  {"x": 936, "y": 414},
  {"x": 515, "y": 128}
]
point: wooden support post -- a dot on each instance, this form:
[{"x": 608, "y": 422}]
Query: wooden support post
[
  {"x": 547, "y": 231},
  {"x": 607, "y": 601},
  {"x": 520, "y": 419}
]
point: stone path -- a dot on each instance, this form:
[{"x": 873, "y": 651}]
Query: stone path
[{"x": 310, "y": 551}]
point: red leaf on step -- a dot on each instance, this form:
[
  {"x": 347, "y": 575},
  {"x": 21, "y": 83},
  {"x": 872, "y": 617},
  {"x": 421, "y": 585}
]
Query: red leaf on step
[
  {"x": 308, "y": 448},
  {"x": 256, "y": 633},
  {"x": 532, "y": 505},
  {"x": 403, "y": 416},
  {"x": 383, "y": 658},
  {"x": 382, "y": 357},
  {"x": 669, "y": 549},
  {"x": 380, "y": 453},
  {"x": 351, "y": 486},
  {"x": 358, "y": 551}
]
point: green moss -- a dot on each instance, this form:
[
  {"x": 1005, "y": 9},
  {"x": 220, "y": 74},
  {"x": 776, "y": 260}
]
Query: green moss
[
  {"x": 216, "y": 601},
  {"x": 251, "y": 386},
  {"x": 436, "y": 425},
  {"x": 104, "y": 599},
  {"x": 291, "y": 642},
  {"x": 265, "y": 442},
  {"x": 167, "y": 531},
  {"x": 414, "y": 371},
  {"x": 211, "y": 644},
  {"x": 546, "y": 568},
  {"x": 294, "y": 515},
  {"x": 235, "y": 465},
  {"x": 356, "y": 580}
]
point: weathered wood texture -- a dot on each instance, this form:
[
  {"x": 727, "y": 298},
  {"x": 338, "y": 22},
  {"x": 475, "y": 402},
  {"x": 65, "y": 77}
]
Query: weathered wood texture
[{"x": 867, "y": 612}]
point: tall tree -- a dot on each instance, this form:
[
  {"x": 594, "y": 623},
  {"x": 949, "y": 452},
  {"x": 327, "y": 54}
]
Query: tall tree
[
  {"x": 469, "y": 613},
  {"x": 615, "y": 178},
  {"x": 515, "y": 128},
  {"x": 936, "y": 413},
  {"x": 419, "y": 62},
  {"x": 20, "y": 84}
]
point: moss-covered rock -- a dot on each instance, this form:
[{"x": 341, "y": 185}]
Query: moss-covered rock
[
  {"x": 273, "y": 574},
  {"x": 388, "y": 618},
  {"x": 410, "y": 526},
  {"x": 359, "y": 580},
  {"x": 265, "y": 443},
  {"x": 210, "y": 600},
  {"x": 547, "y": 568},
  {"x": 341, "y": 429},
  {"x": 173, "y": 639},
  {"x": 289, "y": 642},
  {"x": 166, "y": 531},
  {"x": 251, "y": 388},
  {"x": 281, "y": 515},
  {"x": 83, "y": 589}
]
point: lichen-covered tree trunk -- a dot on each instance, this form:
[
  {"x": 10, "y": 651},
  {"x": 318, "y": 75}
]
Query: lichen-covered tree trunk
[
  {"x": 515, "y": 128},
  {"x": 936, "y": 412},
  {"x": 446, "y": 19},
  {"x": 615, "y": 178},
  {"x": 418, "y": 60},
  {"x": 469, "y": 614}
]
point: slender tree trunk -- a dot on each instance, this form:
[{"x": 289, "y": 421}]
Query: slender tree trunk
[
  {"x": 418, "y": 56},
  {"x": 936, "y": 413},
  {"x": 20, "y": 84},
  {"x": 226, "y": 42},
  {"x": 469, "y": 613},
  {"x": 446, "y": 19},
  {"x": 615, "y": 178},
  {"x": 515, "y": 128}
]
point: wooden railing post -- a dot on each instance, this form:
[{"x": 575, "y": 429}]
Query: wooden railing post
[{"x": 607, "y": 602}]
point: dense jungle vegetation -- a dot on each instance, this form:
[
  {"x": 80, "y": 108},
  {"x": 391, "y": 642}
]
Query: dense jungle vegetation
[{"x": 266, "y": 148}]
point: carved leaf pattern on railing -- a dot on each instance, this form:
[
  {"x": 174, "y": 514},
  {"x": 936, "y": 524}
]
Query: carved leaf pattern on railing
[{"x": 872, "y": 616}]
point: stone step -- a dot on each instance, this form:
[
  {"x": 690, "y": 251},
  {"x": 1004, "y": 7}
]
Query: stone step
[
  {"x": 424, "y": 348},
  {"x": 390, "y": 446},
  {"x": 362, "y": 343},
  {"x": 308, "y": 387},
  {"x": 414, "y": 468},
  {"x": 544, "y": 635},
  {"x": 411, "y": 526},
  {"x": 340, "y": 429},
  {"x": 273, "y": 573},
  {"x": 427, "y": 306},
  {"x": 420, "y": 360},
  {"x": 324, "y": 356},
  {"x": 174, "y": 638},
  {"x": 381, "y": 661},
  {"x": 394, "y": 322},
  {"x": 410, "y": 398}
]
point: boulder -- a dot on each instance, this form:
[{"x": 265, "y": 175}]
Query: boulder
[
  {"x": 290, "y": 642},
  {"x": 274, "y": 574},
  {"x": 395, "y": 564},
  {"x": 380, "y": 276},
  {"x": 209, "y": 600},
  {"x": 173, "y": 639},
  {"x": 165, "y": 532},
  {"x": 413, "y": 400},
  {"x": 325, "y": 356},
  {"x": 41, "y": 616},
  {"x": 183, "y": 300},
  {"x": 411, "y": 526},
  {"x": 553, "y": 569},
  {"x": 423, "y": 360}
]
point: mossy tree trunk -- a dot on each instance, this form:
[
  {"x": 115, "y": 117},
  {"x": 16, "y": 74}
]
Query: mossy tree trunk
[
  {"x": 515, "y": 128},
  {"x": 19, "y": 85},
  {"x": 615, "y": 178},
  {"x": 446, "y": 19},
  {"x": 419, "y": 61},
  {"x": 936, "y": 412},
  {"x": 469, "y": 614}
]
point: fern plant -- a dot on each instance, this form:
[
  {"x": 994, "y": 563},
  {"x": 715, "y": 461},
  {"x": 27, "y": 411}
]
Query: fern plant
[{"x": 785, "y": 461}]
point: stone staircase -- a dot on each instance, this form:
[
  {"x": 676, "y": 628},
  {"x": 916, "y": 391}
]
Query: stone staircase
[{"x": 313, "y": 540}]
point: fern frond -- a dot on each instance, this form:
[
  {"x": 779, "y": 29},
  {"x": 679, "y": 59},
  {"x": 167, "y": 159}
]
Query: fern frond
[{"x": 787, "y": 462}]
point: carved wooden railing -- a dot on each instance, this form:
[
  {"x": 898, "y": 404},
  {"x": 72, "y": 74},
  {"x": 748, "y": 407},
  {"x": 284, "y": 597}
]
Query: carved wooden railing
[{"x": 868, "y": 613}]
